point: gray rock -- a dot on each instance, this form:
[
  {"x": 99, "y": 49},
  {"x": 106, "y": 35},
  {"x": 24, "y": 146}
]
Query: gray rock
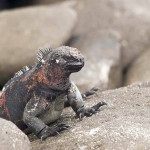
[
  {"x": 139, "y": 70},
  {"x": 102, "y": 61},
  {"x": 123, "y": 125},
  {"x": 26, "y": 30},
  {"x": 129, "y": 18},
  {"x": 12, "y": 138}
]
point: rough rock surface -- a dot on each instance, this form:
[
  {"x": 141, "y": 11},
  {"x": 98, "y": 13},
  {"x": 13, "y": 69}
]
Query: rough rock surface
[
  {"x": 102, "y": 62},
  {"x": 12, "y": 138},
  {"x": 139, "y": 71},
  {"x": 123, "y": 125},
  {"x": 26, "y": 30},
  {"x": 125, "y": 16}
]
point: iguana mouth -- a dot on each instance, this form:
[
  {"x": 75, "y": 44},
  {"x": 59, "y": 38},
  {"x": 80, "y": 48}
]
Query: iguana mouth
[{"x": 75, "y": 66}]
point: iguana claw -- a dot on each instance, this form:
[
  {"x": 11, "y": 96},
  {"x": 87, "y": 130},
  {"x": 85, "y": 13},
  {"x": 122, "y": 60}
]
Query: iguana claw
[
  {"x": 90, "y": 92},
  {"x": 89, "y": 111},
  {"x": 47, "y": 131}
]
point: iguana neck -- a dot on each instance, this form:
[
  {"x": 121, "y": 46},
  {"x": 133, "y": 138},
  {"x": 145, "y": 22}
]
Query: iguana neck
[{"x": 53, "y": 77}]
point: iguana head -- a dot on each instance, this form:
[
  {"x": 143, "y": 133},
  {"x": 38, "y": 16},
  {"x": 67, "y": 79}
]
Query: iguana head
[{"x": 67, "y": 58}]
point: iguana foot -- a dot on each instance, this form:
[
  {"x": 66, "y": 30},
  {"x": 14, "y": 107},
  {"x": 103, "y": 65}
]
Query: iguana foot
[
  {"x": 48, "y": 131},
  {"x": 90, "y": 92},
  {"x": 89, "y": 111}
]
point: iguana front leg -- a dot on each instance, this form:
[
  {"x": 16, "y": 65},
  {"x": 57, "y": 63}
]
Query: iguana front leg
[
  {"x": 76, "y": 102},
  {"x": 34, "y": 108}
]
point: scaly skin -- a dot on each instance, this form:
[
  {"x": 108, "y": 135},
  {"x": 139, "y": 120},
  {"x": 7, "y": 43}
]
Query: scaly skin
[{"x": 35, "y": 96}]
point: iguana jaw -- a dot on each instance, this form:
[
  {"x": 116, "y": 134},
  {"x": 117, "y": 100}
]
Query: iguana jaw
[{"x": 75, "y": 67}]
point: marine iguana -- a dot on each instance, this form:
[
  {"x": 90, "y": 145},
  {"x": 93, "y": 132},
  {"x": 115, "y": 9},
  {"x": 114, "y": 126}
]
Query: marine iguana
[{"x": 35, "y": 96}]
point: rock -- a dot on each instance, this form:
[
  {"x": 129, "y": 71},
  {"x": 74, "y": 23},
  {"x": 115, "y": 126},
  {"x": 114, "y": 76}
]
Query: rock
[
  {"x": 139, "y": 71},
  {"x": 28, "y": 29},
  {"x": 125, "y": 16},
  {"x": 124, "y": 124},
  {"x": 102, "y": 62},
  {"x": 12, "y": 138}
]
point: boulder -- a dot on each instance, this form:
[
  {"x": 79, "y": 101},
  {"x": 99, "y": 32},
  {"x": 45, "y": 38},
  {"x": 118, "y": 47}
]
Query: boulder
[
  {"x": 26, "y": 30},
  {"x": 139, "y": 71},
  {"x": 12, "y": 138},
  {"x": 102, "y": 61},
  {"x": 127, "y": 17},
  {"x": 123, "y": 124}
]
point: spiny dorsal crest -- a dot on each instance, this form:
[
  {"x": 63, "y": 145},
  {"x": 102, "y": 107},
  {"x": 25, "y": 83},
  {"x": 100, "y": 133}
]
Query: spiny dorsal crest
[
  {"x": 20, "y": 72},
  {"x": 42, "y": 53}
]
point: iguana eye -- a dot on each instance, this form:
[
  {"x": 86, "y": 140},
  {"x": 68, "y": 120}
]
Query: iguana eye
[
  {"x": 70, "y": 59},
  {"x": 67, "y": 58}
]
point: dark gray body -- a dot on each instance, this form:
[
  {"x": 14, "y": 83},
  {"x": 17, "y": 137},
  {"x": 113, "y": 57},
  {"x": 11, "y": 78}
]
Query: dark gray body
[
  {"x": 35, "y": 96},
  {"x": 43, "y": 111}
]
